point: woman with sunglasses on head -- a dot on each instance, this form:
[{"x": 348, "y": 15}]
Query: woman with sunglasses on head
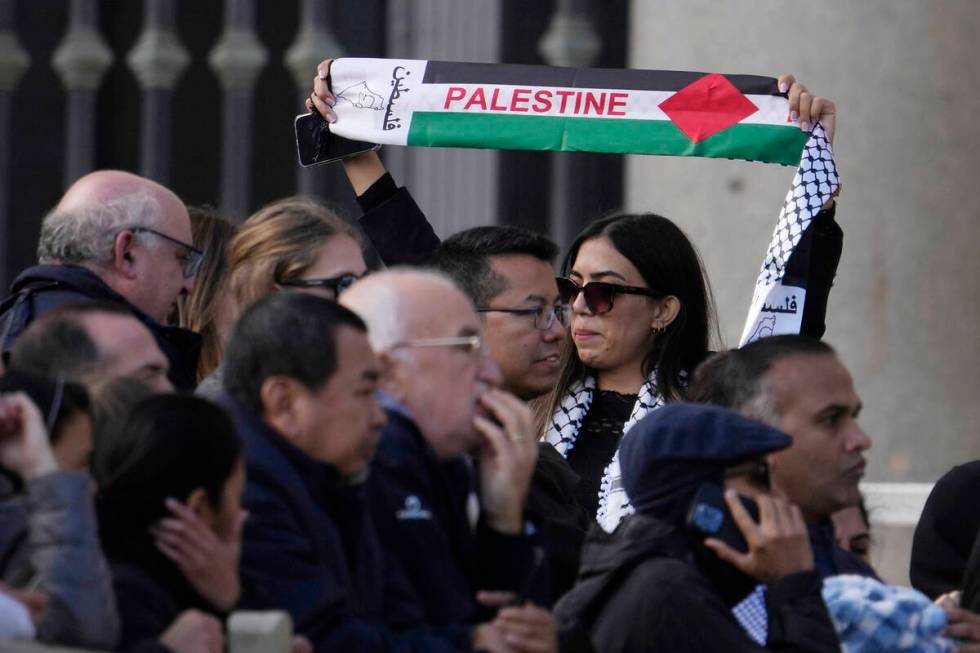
[{"x": 292, "y": 244}]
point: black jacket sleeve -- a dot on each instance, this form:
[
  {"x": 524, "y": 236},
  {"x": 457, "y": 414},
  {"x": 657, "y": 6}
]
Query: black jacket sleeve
[
  {"x": 798, "y": 617},
  {"x": 813, "y": 265},
  {"x": 395, "y": 224},
  {"x": 699, "y": 621}
]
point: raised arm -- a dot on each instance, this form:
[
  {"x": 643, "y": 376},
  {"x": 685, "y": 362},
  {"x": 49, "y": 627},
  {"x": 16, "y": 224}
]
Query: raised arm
[{"x": 392, "y": 221}]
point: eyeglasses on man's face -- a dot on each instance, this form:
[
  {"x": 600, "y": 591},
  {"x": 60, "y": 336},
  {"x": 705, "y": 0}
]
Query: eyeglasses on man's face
[
  {"x": 191, "y": 257},
  {"x": 333, "y": 285},
  {"x": 598, "y": 295},
  {"x": 544, "y": 316},
  {"x": 468, "y": 344}
]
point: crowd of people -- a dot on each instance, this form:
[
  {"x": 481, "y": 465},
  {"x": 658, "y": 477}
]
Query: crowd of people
[{"x": 458, "y": 452}]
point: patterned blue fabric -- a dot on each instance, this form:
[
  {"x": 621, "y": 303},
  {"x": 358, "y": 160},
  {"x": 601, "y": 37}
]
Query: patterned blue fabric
[
  {"x": 870, "y": 617},
  {"x": 752, "y": 615}
]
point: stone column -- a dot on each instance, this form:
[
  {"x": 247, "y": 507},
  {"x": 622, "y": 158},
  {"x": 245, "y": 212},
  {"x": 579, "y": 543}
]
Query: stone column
[
  {"x": 457, "y": 188},
  {"x": 81, "y": 60},
  {"x": 314, "y": 42},
  {"x": 237, "y": 58},
  {"x": 157, "y": 59},
  {"x": 14, "y": 62},
  {"x": 569, "y": 41}
]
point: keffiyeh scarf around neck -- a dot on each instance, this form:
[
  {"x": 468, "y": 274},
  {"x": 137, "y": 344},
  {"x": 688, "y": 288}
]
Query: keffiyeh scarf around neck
[{"x": 566, "y": 424}]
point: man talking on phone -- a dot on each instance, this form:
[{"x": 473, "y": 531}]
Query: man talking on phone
[{"x": 667, "y": 579}]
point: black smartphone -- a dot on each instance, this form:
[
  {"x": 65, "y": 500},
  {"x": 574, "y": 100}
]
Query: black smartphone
[
  {"x": 709, "y": 516},
  {"x": 316, "y": 144}
]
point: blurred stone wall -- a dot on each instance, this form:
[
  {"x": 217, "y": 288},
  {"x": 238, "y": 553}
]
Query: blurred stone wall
[{"x": 905, "y": 311}]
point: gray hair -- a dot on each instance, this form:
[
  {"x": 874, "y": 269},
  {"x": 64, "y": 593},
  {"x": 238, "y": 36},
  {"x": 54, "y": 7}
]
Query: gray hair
[
  {"x": 87, "y": 234},
  {"x": 382, "y": 302}
]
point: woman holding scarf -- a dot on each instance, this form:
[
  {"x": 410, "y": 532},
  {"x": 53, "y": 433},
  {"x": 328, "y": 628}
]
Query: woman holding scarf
[{"x": 641, "y": 305}]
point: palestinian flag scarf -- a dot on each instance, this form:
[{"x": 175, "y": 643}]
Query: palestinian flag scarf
[{"x": 446, "y": 104}]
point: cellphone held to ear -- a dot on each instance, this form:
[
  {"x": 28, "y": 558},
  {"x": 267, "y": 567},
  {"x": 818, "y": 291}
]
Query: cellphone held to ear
[
  {"x": 316, "y": 144},
  {"x": 709, "y": 516}
]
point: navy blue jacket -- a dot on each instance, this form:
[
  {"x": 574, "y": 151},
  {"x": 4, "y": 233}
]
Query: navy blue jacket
[
  {"x": 831, "y": 560},
  {"x": 43, "y": 288},
  {"x": 419, "y": 504},
  {"x": 310, "y": 548}
]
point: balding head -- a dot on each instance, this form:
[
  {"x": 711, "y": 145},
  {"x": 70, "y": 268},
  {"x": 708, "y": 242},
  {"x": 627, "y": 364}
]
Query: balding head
[
  {"x": 104, "y": 186},
  {"x": 428, "y": 337},
  {"x": 108, "y": 222}
]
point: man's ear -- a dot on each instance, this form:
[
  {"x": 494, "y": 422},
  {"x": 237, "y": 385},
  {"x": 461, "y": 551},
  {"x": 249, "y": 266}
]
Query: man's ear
[
  {"x": 665, "y": 313},
  {"x": 279, "y": 395},
  {"x": 197, "y": 502},
  {"x": 393, "y": 375},
  {"x": 123, "y": 254}
]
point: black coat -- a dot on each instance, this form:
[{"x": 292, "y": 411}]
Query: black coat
[
  {"x": 946, "y": 531},
  {"x": 310, "y": 548},
  {"x": 149, "y": 605},
  {"x": 419, "y": 504},
  {"x": 43, "y": 288},
  {"x": 150, "y": 590},
  {"x": 640, "y": 589}
]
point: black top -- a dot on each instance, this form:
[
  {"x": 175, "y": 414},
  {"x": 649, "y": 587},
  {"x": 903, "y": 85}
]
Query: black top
[{"x": 597, "y": 441}]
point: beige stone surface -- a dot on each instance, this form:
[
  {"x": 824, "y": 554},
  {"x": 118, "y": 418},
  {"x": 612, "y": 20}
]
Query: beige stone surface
[{"x": 905, "y": 313}]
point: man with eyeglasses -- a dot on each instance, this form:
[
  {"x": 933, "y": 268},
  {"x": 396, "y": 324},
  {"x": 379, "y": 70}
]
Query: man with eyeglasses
[
  {"x": 114, "y": 237},
  {"x": 507, "y": 273},
  {"x": 453, "y": 524}
]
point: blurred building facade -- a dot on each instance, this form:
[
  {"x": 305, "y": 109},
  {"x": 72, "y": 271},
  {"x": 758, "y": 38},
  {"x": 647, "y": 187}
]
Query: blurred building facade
[{"x": 201, "y": 95}]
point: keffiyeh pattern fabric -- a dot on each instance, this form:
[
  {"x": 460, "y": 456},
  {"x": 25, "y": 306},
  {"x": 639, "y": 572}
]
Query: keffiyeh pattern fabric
[
  {"x": 566, "y": 424},
  {"x": 777, "y": 303}
]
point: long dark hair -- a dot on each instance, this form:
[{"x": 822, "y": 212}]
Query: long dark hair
[
  {"x": 169, "y": 446},
  {"x": 670, "y": 265}
]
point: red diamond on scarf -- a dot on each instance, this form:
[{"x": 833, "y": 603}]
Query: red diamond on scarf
[{"x": 707, "y": 106}]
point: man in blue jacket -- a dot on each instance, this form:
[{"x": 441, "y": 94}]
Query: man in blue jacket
[
  {"x": 119, "y": 238},
  {"x": 301, "y": 383},
  {"x": 454, "y": 522}
]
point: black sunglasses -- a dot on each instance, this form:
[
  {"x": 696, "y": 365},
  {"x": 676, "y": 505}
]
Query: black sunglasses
[
  {"x": 757, "y": 471},
  {"x": 336, "y": 285},
  {"x": 598, "y": 295}
]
